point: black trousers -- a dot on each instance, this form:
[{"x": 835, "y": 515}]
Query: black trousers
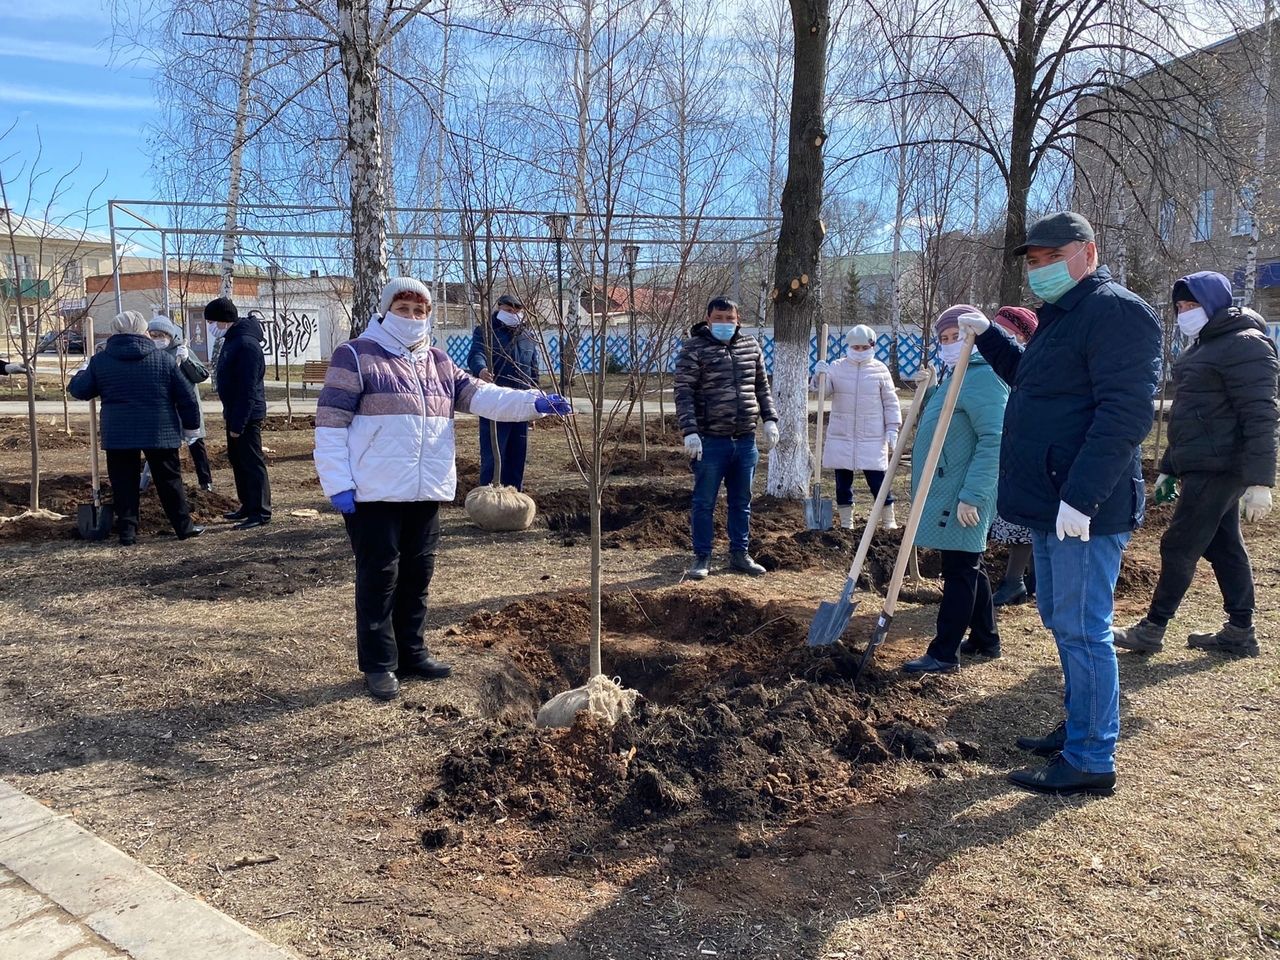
[
  {"x": 200, "y": 460},
  {"x": 124, "y": 468},
  {"x": 966, "y": 606},
  {"x": 249, "y": 467},
  {"x": 1206, "y": 523},
  {"x": 844, "y": 486},
  {"x": 395, "y": 550}
]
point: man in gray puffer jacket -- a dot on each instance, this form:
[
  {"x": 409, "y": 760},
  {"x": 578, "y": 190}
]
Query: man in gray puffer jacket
[{"x": 721, "y": 391}]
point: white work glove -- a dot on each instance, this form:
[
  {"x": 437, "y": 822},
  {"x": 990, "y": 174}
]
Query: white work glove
[
  {"x": 693, "y": 446},
  {"x": 821, "y": 367},
  {"x": 12, "y": 368},
  {"x": 770, "y": 435},
  {"x": 191, "y": 436},
  {"x": 967, "y": 514},
  {"x": 1257, "y": 503},
  {"x": 1072, "y": 523},
  {"x": 182, "y": 352},
  {"x": 975, "y": 323},
  {"x": 891, "y": 437},
  {"x": 83, "y": 367},
  {"x": 922, "y": 375}
]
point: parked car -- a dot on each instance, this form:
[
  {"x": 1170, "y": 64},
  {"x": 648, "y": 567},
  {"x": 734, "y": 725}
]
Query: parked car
[{"x": 72, "y": 341}]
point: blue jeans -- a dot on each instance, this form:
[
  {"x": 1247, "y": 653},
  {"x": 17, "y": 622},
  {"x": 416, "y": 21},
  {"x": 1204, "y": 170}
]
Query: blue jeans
[
  {"x": 732, "y": 462},
  {"x": 1075, "y": 591},
  {"x": 513, "y": 444}
]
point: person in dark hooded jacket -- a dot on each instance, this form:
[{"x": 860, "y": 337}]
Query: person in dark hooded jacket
[
  {"x": 506, "y": 354},
  {"x": 1222, "y": 451},
  {"x": 240, "y": 372},
  {"x": 148, "y": 408}
]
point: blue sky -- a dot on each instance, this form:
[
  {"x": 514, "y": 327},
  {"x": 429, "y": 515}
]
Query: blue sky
[{"x": 58, "y": 82}]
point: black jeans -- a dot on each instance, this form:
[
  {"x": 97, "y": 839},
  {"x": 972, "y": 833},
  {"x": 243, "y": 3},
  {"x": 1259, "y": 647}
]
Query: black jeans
[
  {"x": 124, "y": 468},
  {"x": 249, "y": 466},
  {"x": 395, "y": 549},
  {"x": 1206, "y": 523},
  {"x": 200, "y": 460},
  {"x": 966, "y": 606},
  {"x": 844, "y": 486}
]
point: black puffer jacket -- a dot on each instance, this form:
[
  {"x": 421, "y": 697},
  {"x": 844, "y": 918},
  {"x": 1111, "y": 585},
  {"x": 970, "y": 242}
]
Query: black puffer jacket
[
  {"x": 1225, "y": 414},
  {"x": 146, "y": 401},
  {"x": 241, "y": 368},
  {"x": 721, "y": 388}
]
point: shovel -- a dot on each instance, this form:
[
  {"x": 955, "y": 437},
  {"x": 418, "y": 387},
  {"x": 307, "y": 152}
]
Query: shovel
[
  {"x": 831, "y": 619},
  {"x": 93, "y": 520},
  {"x": 917, "y": 507},
  {"x": 817, "y": 511}
]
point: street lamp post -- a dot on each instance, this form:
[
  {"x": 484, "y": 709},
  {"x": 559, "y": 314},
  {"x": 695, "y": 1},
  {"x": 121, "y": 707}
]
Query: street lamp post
[
  {"x": 558, "y": 225},
  {"x": 630, "y": 253},
  {"x": 273, "y": 271}
]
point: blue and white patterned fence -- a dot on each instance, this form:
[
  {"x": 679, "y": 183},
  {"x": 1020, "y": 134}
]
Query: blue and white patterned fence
[{"x": 616, "y": 352}]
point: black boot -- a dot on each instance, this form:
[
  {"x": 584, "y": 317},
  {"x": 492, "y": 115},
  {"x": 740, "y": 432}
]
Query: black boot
[
  {"x": 741, "y": 561},
  {"x": 1049, "y": 744},
  {"x": 1009, "y": 593},
  {"x": 1060, "y": 777},
  {"x": 700, "y": 568},
  {"x": 382, "y": 686},
  {"x": 1143, "y": 637},
  {"x": 428, "y": 669},
  {"x": 972, "y": 648},
  {"x": 1232, "y": 640}
]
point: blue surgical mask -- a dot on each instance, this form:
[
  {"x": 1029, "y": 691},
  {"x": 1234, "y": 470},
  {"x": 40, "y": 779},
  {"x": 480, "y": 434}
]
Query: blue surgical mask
[
  {"x": 724, "y": 331},
  {"x": 1051, "y": 283}
]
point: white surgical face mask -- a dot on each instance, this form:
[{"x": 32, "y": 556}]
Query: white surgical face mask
[
  {"x": 162, "y": 342},
  {"x": 1191, "y": 322},
  {"x": 509, "y": 318},
  {"x": 859, "y": 356},
  {"x": 410, "y": 331},
  {"x": 951, "y": 352}
]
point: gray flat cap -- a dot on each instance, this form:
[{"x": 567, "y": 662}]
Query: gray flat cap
[{"x": 1056, "y": 230}]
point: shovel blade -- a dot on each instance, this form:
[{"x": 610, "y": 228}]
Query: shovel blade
[
  {"x": 819, "y": 513},
  {"x": 830, "y": 621},
  {"x": 877, "y": 638},
  {"x": 94, "y": 522}
]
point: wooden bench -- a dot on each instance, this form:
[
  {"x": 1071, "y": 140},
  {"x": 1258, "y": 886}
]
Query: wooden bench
[{"x": 313, "y": 371}]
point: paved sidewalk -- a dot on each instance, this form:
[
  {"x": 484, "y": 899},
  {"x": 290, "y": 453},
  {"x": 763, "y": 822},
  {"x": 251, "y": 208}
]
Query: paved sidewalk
[{"x": 67, "y": 895}]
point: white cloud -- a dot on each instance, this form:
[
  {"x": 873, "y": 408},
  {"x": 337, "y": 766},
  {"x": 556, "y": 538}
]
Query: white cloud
[
  {"x": 78, "y": 11},
  {"x": 12, "y": 93},
  {"x": 52, "y": 51}
]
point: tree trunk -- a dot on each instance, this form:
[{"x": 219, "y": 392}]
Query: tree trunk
[
  {"x": 597, "y": 579},
  {"x": 799, "y": 244},
  {"x": 237, "y": 156},
  {"x": 1260, "y": 156},
  {"x": 358, "y": 52},
  {"x": 1022, "y": 133}
]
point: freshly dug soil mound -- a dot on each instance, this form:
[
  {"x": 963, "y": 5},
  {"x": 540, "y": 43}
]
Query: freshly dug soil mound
[
  {"x": 64, "y": 493},
  {"x": 741, "y": 720},
  {"x": 673, "y": 437},
  {"x": 279, "y": 422},
  {"x": 661, "y": 462},
  {"x": 14, "y": 436}
]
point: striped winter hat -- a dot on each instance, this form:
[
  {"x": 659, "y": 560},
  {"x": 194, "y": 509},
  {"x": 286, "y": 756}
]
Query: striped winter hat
[{"x": 949, "y": 319}]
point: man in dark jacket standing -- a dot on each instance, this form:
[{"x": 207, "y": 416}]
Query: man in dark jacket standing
[
  {"x": 1222, "y": 448},
  {"x": 515, "y": 364},
  {"x": 1070, "y": 470},
  {"x": 239, "y": 377},
  {"x": 721, "y": 391},
  {"x": 148, "y": 408}
]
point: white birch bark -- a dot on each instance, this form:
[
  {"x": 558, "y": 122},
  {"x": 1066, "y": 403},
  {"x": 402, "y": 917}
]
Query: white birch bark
[
  {"x": 790, "y": 464},
  {"x": 237, "y": 155}
]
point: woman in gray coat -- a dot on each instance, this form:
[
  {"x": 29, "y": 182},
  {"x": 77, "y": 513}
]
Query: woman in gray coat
[{"x": 164, "y": 333}]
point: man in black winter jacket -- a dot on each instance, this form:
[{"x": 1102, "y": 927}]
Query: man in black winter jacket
[
  {"x": 239, "y": 377},
  {"x": 1222, "y": 448},
  {"x": 148, "y": 408}
]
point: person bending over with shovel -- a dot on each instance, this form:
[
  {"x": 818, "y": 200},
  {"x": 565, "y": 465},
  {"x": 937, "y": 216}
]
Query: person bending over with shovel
[
  {"x": 385, "y": 456},
  {"x": 721, "y": 391},
  {"x": 961, "y": 501},
  {"x": 1079, "y": 408}
]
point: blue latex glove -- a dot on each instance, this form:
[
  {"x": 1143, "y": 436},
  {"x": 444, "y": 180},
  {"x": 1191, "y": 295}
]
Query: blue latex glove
[
  {"x": 553, "y": 403},
  {"x": 344, "y": 502}
]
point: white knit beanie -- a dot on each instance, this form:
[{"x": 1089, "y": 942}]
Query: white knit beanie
[
  {"x": 862, "y": 335},
  {"x": 401, "y": 285},
  {"x": 131, "y": 321}
]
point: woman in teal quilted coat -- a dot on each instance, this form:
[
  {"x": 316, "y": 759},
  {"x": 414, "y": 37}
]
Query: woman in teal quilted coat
[{"x": 962, "y": 500}]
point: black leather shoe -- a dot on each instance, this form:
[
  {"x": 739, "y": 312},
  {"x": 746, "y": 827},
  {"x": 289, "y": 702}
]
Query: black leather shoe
[
  {"x": 128, "y": 541},
  {"x": 240, "y": 514},
  {"x": 741, "y": 561},
  {"x": 928, "y": 664},
  {"x": 382, "y": 686},
  {"x": 428, "y": 669},
  {"x": 193, "y": 532},
  {"x": 971, "y": 648},
  {"x": 250, "y": 522},
  {"x": 1059, "y": 777},
  {"x": 1049, "y": 744},
  {"x": 1010, "y": 593}
]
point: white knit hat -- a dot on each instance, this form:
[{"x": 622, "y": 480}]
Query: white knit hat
[
  {"x": 401, "y": 285},
  {"x": 131, "y": 321},
  {"x": 862, "y": 335}
]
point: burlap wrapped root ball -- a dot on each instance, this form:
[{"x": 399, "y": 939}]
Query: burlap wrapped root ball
[
  {"x": 500, "y": 509},
  {"x": 601, "y": 697}
]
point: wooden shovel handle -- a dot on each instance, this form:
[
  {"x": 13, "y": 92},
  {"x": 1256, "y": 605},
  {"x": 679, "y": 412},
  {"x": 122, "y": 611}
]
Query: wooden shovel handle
[
  {"x": 926, "y": 476},
  {"x": 873, "y": 520},
  {"x": 822, "y": 355}
]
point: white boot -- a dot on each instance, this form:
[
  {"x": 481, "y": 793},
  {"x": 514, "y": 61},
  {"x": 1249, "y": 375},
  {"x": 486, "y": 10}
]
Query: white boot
[
  {"x": 888, "y": 519},
  {"x": 846, "y": 517}
]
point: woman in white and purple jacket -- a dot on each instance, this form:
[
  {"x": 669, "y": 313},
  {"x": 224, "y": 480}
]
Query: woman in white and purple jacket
[{"x": 385, "y": 456}]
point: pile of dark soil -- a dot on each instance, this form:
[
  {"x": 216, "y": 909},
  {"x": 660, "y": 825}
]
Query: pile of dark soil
[
  {"x": 280, "y": 423},
  {"x": 626, "y": 462},
  {"x": 64, "y": 493},
  {"x": 739, "y": 721},
  {"x": 14, "y": 435},
  {"x": 654, "y": 433}
]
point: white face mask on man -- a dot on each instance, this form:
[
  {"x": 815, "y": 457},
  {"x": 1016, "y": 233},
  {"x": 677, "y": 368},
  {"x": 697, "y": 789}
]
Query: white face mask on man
[
  {"x": 1192, "y": 321},
  {"x": 509, "y": 318}
]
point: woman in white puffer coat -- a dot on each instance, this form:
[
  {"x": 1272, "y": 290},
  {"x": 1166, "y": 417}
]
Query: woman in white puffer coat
[{"x": 865, "y": 419}]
